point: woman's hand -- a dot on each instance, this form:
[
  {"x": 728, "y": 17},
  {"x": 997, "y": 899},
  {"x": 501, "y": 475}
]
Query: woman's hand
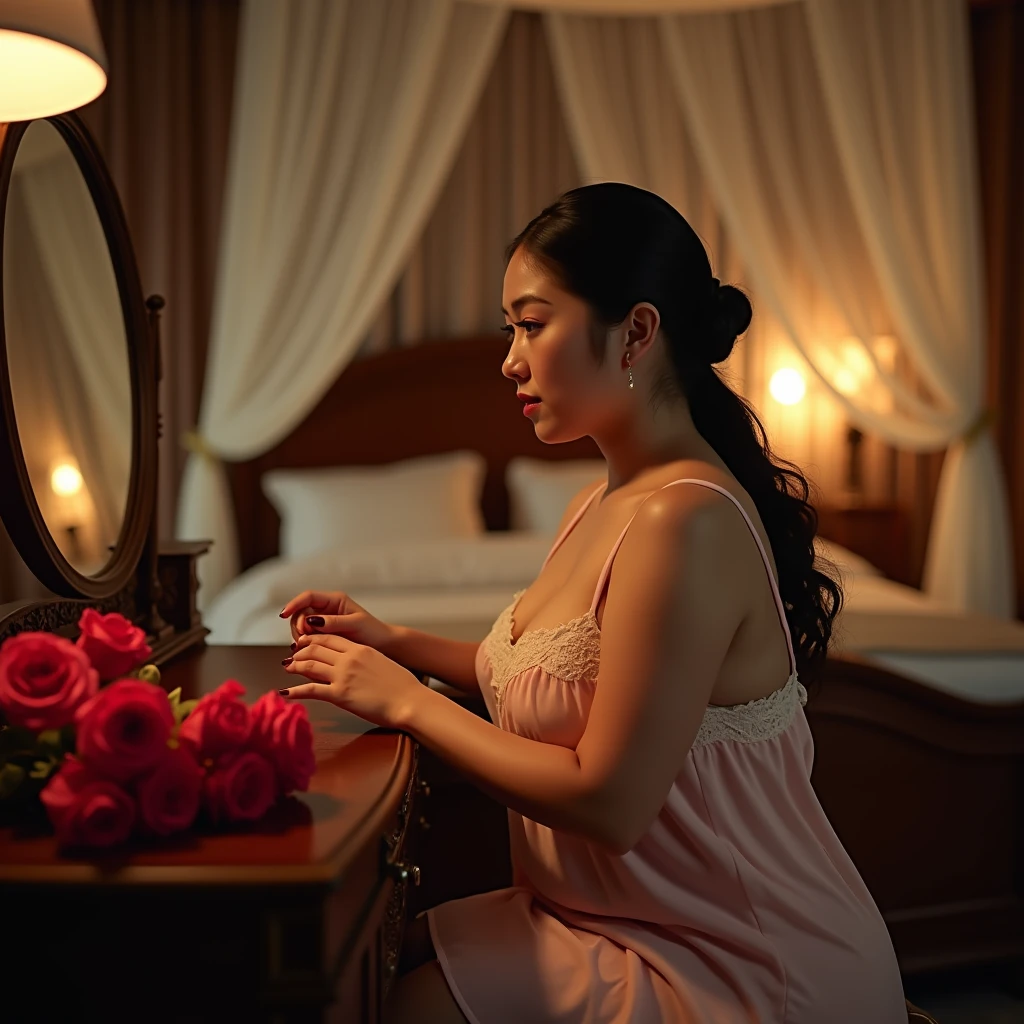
[
  {"x": 355, "y": 677},
  {"x": 334, "y": 612}
]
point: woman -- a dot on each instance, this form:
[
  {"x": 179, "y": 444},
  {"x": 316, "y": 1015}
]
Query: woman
[{"x": 671, "y": 861}]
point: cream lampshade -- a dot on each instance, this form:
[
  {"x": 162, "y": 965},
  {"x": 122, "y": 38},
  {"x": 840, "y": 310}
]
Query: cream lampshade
[{"x": 51, "y": 57}]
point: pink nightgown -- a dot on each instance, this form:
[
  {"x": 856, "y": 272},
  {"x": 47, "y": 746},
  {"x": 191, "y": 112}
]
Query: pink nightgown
[{"x": 737, "y": 905}]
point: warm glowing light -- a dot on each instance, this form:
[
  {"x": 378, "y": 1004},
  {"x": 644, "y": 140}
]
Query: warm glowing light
[
  {"x": 787, "y": 386},
  {"x": 846, "y": 381},
  {"x": 51, "y": 58},
  {"x": 65, "y": 479}
]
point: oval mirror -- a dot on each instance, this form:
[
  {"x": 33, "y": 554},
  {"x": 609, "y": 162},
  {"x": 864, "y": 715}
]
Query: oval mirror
[{"x": 67, "y": 351}]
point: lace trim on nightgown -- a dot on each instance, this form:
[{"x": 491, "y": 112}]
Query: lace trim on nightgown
[{"x": 572, "y": 652}]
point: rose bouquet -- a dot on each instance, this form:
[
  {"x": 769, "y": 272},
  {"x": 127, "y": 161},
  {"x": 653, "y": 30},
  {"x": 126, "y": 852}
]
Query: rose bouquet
[{"x": 109, "y": 753}]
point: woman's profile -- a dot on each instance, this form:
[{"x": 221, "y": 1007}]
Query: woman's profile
[{"x": 671, "y": 860}]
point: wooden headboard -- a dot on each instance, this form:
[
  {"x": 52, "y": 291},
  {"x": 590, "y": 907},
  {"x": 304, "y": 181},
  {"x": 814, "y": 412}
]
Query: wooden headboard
[{"x": 437, "y": 396}]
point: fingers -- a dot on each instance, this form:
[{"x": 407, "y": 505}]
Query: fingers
[
  {"x": 312, "y": 669},
  {"x": 331, "y": 624},
  {"x": 330, "y": 641},
  {"x": 316, "y": 599},
  {"x": 306, "y": 691}
]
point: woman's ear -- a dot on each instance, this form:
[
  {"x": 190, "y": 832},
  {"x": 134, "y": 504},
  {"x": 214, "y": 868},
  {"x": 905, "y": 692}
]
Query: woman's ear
[{"x": 641, "y": 326}]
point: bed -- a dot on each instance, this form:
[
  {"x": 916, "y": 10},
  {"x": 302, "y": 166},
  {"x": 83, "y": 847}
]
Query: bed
[{"x": 918, "y": 719}]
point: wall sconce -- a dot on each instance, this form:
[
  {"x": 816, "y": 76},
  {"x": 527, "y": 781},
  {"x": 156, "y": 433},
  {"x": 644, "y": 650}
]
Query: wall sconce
[
  {"x": 787, "y": 386},
  {"x": 51, "y": 57}
]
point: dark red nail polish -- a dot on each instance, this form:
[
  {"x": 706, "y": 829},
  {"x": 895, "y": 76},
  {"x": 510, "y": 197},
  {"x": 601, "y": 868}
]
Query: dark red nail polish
[
  {"x": 315, "y": 620},
  {"x": 287, "y": 661},
  {"x": 295, "y": 647},
  {"x": 284, "y": 693}
]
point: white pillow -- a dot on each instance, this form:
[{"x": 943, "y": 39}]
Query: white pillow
[
  {"x": 429, "y": 498},
  {"x": 849, "y": 564},
  {"x": 539, "y": 490},
  {"x": 499, "y": 558}
]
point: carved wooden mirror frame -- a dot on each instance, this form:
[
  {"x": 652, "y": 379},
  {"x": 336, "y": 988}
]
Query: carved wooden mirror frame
[{"x": 130, "y": 582}]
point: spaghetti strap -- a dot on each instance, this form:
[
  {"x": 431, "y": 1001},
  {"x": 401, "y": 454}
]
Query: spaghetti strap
[
  {"x": 779, "y": 606},
  {"x": 572, "y": 522}
]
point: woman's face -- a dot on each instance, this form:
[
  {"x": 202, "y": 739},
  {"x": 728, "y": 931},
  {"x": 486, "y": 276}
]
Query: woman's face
[{"x": 550, "y": 357}]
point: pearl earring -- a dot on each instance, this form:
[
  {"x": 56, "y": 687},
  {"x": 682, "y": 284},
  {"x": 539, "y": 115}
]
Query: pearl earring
[{"x": 630, "y": 368}]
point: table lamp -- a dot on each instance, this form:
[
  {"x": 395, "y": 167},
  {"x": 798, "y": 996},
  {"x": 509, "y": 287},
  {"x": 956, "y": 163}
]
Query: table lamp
[{"x": 51, "y": 57}]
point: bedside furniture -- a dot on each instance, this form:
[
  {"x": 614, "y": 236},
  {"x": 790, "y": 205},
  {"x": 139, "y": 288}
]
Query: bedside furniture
[
  {"x": 879, "y": 533},
  {"x": 296, "y": 919}
]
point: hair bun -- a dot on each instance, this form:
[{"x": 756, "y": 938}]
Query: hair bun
[{"x": 728, "y": 317}]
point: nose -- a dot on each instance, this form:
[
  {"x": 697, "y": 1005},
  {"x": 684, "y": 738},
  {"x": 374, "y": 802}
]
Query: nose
[{"x": 514, "y": 367}]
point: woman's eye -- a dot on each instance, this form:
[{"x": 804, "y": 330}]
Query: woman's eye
[{"x": 509, "y": 329}]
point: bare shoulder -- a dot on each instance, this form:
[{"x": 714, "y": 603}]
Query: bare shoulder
[
  {"x": 690, "y": 526},
  {"x": 694, "y": 516},
  {"x": 689, "y": 505}
]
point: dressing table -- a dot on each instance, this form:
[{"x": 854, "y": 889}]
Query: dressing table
[{"x": 298, "y": 918}]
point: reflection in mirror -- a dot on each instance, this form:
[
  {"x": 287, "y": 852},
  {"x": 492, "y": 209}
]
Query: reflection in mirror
[{"x": 67, "y": 351}]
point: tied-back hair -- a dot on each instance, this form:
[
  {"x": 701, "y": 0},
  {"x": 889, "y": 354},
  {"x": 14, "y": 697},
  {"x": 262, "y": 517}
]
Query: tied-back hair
[{"x": 614, "y": 245}]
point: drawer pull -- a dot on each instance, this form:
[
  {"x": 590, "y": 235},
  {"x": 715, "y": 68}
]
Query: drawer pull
[{"x": 403, "y": 871}]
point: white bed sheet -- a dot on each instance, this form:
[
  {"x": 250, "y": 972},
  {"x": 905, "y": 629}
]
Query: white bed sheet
[{"x": 480, "y": 576}]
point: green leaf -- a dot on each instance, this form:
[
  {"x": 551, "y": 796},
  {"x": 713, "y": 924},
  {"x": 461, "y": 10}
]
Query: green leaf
[
  {"x": 16, "y": 740},
  {"x": 43, "y": 769},
  {"x": 49, "y": 742},
  {"x": 183, "y": 710},
  {"x": 174, "y": 696},
  {"x": 149, "y": 674},
  {"x": 11, "y": 777}
]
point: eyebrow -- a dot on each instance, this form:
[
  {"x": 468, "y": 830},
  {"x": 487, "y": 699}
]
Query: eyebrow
[{"x": 523, "y": 299}]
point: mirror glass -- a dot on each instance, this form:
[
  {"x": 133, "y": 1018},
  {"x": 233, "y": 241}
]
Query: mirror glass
[{"x": 67, "y": 350}]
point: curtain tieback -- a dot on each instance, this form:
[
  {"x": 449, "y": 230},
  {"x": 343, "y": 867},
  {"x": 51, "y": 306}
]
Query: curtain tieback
[
  {"x": 981, "y": 423},
  {"x": 194, "y": 442}
]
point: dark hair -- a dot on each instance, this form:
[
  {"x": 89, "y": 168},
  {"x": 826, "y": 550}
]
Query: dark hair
[{"x": 614, "y": 245}]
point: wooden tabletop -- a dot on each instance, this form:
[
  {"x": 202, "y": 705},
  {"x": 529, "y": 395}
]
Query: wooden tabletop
[{"x": 361, "y": 775}]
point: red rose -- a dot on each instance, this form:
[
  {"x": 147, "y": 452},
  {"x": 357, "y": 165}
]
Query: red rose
[
  {"x": 169, "y": 795},
  {"x": 281, "y": 731},
  {"x": 123, "y": 730},
  {"x": 87, "y": 810},
  {"x": 242, "y": 788},
  {"x": 43, "y": 680},
  {"x": 114, "y": 646},
  {"x": 219, "y": 724}
]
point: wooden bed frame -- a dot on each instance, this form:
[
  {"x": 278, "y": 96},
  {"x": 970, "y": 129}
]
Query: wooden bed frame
[{"x": 925, "y": 791}]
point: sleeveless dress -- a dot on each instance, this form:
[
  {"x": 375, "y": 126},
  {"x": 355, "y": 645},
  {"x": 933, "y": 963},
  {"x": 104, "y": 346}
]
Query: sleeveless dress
[{"x": 739, "y": 904}]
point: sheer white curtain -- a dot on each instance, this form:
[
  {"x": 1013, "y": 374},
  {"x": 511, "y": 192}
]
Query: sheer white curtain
[
  {"x": 347, "y": 118},
  {"x": 514, "y": 159},
  {"x": 626, "y": 125},
  {"x": 896, "y": 79},
  {"x": 859, "y": 228},
  {"x": 633, "y": 8}
]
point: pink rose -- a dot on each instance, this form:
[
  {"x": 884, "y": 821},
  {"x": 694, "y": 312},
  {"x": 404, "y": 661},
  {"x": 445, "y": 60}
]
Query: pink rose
[
  {"x": 242, "y": 788},
  {"x": 123, "y": 730},
  {"x": 114, "y": 646},
  {"x": 87, "y": 810},
  {"x": 169, "y": 795},
  {"x": 43, "y": 680},
  {"x": 281, "y": 731},
  {"x": 219, "y": 724}
]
